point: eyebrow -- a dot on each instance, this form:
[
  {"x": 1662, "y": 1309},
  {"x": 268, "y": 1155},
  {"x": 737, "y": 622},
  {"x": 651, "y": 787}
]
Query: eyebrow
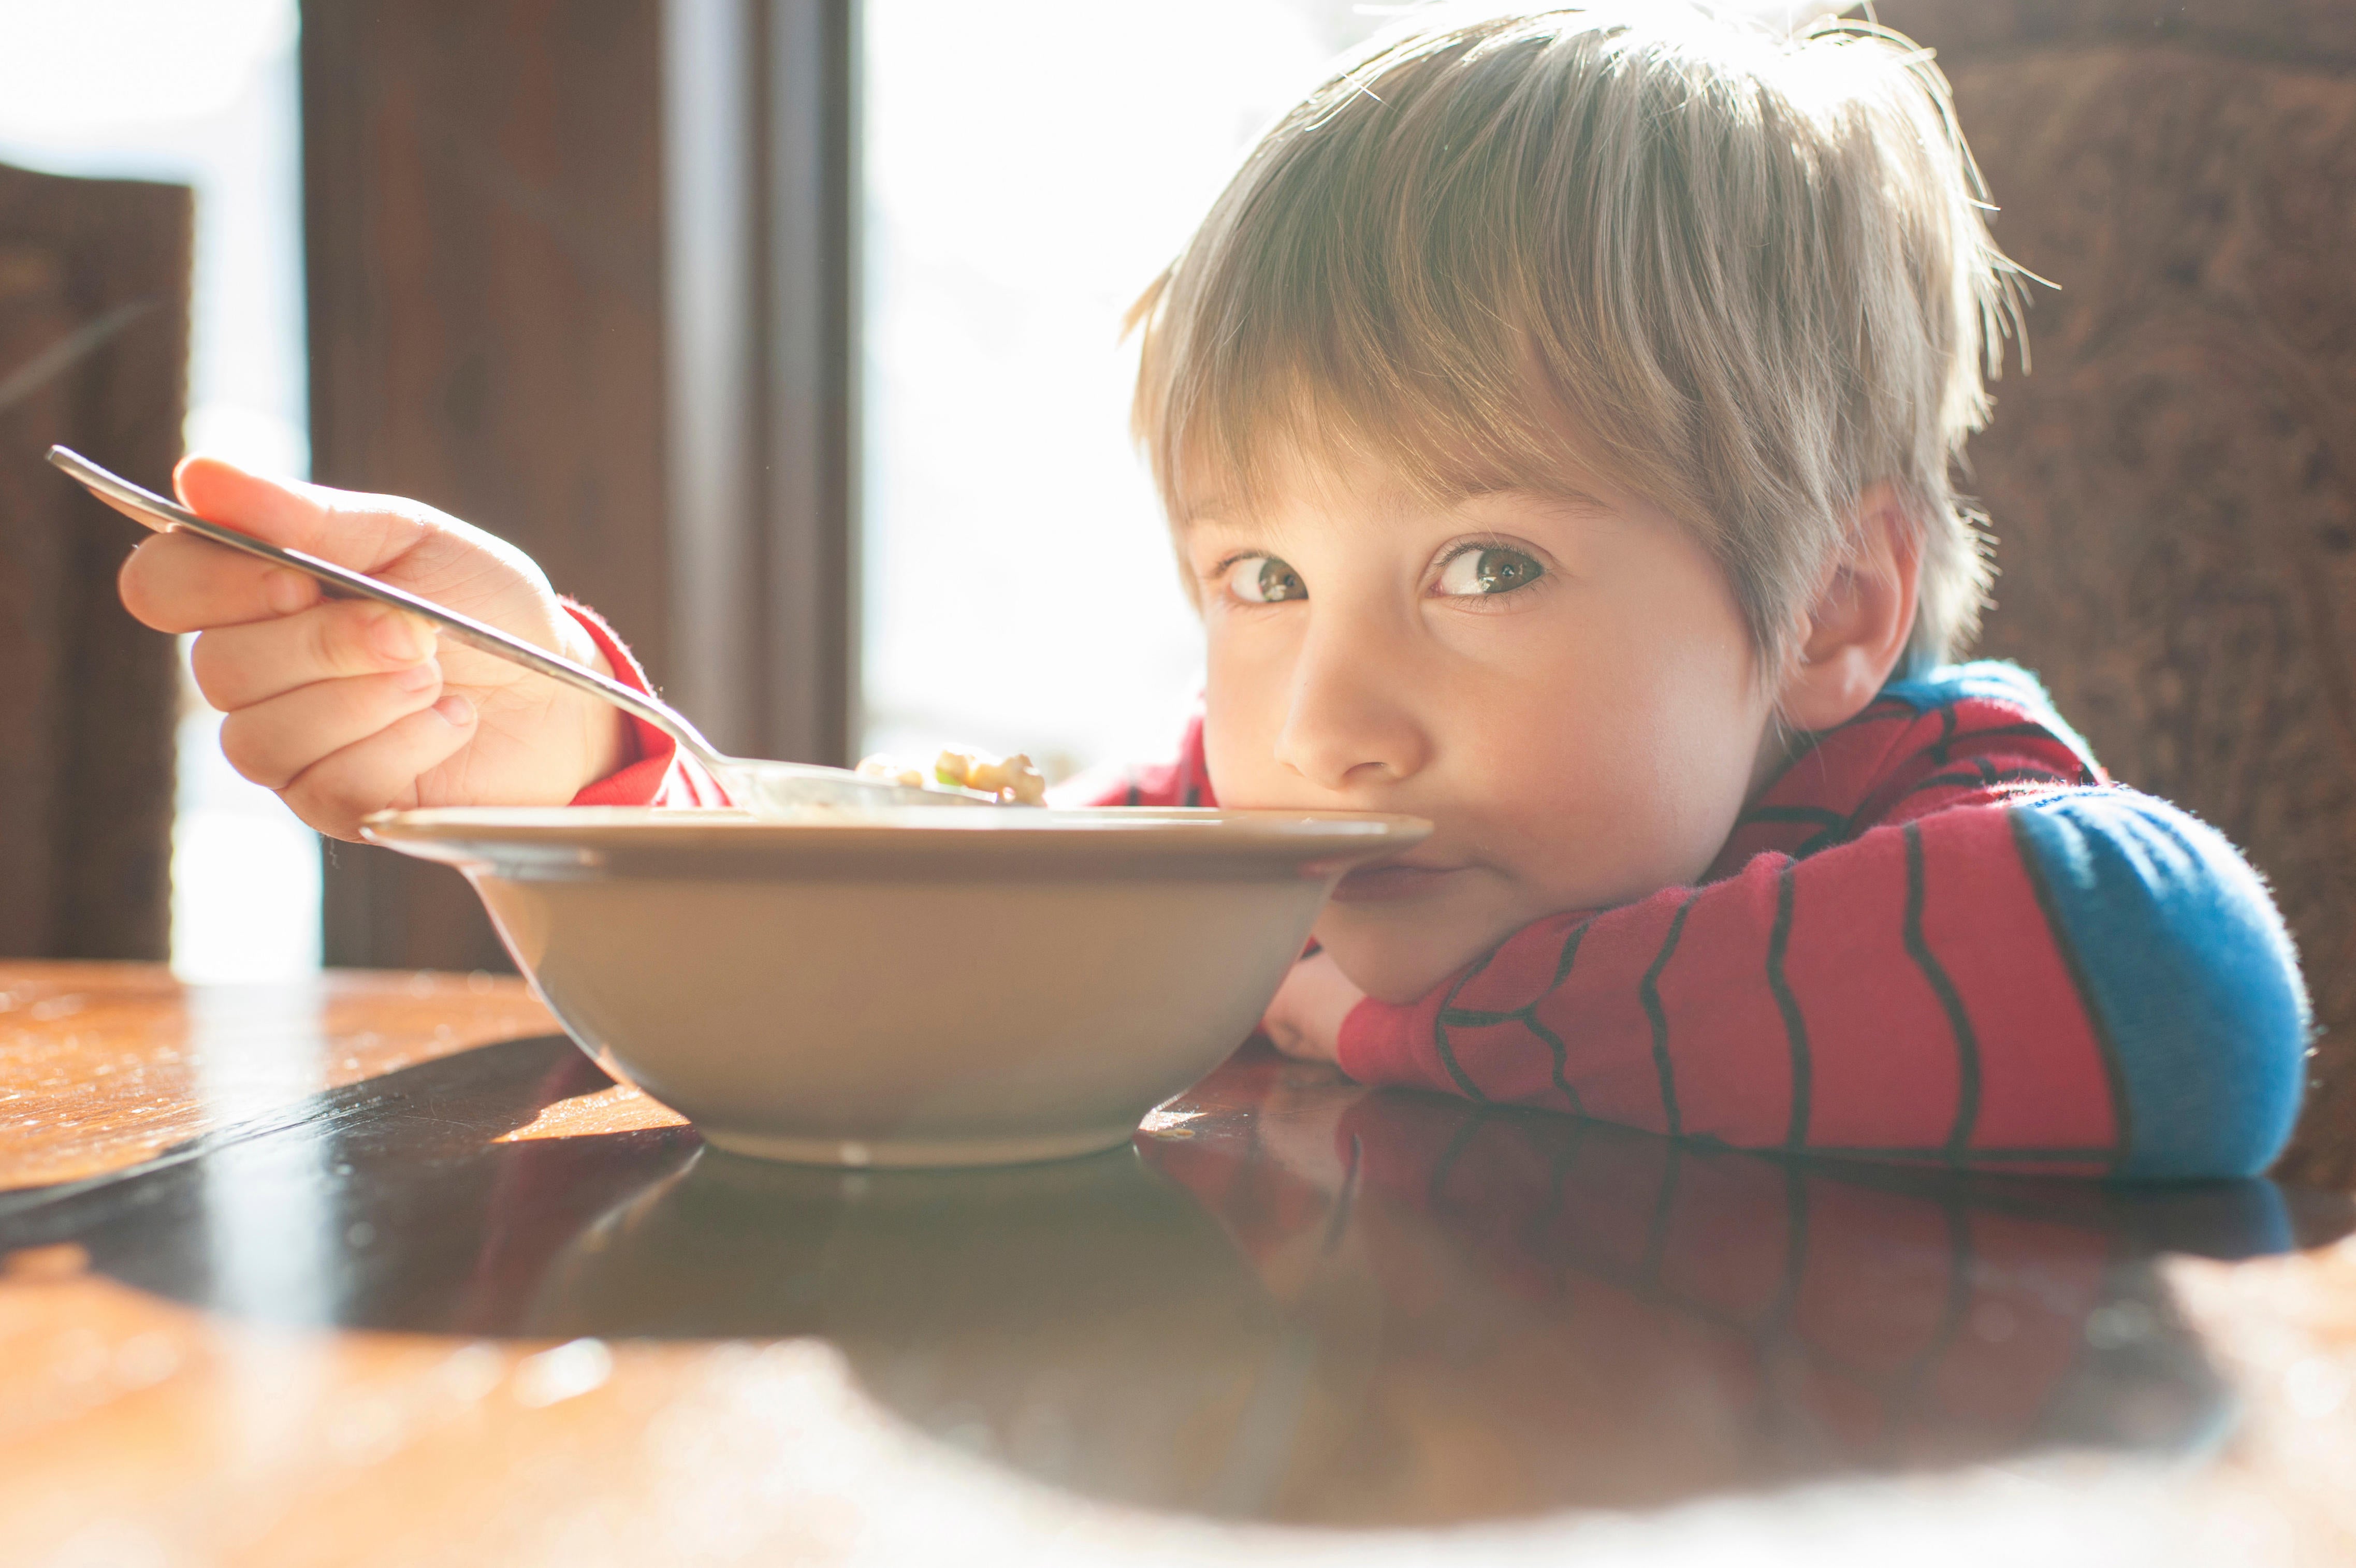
[
  {"x": 1576, "y": 499},
  {"x": 1213, "y": 518}
]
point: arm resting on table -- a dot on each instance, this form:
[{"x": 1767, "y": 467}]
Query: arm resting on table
[{"x": 2075, "y": 979}]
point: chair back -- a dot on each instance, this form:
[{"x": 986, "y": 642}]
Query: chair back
[
  {"x": 2173, "y": 487},
  {"x": 93, "y": 352}
]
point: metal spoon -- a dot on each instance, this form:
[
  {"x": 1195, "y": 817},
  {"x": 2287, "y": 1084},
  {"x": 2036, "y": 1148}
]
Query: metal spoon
[{"x": 771, "y": 789}]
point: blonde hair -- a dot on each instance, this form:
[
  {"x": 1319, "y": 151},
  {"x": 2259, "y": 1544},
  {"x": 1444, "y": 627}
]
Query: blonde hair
[{"x": 1740, "y": 275}]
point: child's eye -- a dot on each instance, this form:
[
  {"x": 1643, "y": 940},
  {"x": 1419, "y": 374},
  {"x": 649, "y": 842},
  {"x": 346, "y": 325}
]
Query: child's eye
[
  {"x": 1264, "y": 580},
  {"x": 1486, "y": 570}
]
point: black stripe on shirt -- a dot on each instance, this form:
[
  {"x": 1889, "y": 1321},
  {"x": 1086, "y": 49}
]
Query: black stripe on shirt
[
  {"x": 1986, "y": 775},
  {"x": 1440, "y": 1043},
  {"x": 1525, "y": 1016},
  {"x": 1795, "y": 1027},
  {"x": 1448, "y": 1059},
  {"x": 1570, "y": 954},
  {"x": 1451, "y": 1013},
  {"x": 1554, "y": 1042},
  {"x": 1649, "y": 993},
  {"x": 1561, "y": 1058},
  {"x": 1967, "y": 1045},
  {"x": 1831, "y": 826},
  {"x": 1947, "y": 723},
  {"x": 2029, "y": 729}
]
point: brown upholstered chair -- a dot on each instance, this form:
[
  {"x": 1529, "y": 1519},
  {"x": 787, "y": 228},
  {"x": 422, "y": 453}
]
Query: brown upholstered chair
[
  {"x": 2173, "y": 487},
  {"x": 93, "y": 352}
]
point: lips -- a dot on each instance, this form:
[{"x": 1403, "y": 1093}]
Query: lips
[{"x": 1392, "y": 882}]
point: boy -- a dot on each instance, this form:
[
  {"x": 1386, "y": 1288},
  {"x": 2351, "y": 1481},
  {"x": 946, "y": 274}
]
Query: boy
[{"x": 1556, "y": 418}]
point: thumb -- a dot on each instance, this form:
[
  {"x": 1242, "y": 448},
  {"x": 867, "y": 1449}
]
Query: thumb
[{"x": 362, "y": 531}]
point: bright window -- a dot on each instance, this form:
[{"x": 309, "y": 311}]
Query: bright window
[
  {"x": 204, "y": 96},
  {"x": 1029, "y": 170}
]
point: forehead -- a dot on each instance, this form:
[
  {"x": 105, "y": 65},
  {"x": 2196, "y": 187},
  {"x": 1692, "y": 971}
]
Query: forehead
[{"x": 1312, "y": 452}]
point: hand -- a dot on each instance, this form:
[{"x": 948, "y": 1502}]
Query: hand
[
  {"x": 1305, "y": 1019},
  {"x": 344, "y": 706}
]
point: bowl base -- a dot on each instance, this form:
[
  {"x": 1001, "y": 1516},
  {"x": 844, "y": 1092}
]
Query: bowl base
[{"x": 912, "y": 1154}]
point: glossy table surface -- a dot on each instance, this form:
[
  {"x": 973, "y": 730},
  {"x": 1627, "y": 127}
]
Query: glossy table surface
[{"x": 380, "y": 1270}]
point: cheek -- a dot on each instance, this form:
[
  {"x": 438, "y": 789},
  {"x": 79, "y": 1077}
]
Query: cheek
[
  {"x": 1623, "y": 758},
  {"x": 1693, "y": 742},
  {"x": 1246, "y": 677}
]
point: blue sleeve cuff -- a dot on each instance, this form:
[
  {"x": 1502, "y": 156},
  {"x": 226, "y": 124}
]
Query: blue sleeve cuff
[{"x": 2189, "y": 972}]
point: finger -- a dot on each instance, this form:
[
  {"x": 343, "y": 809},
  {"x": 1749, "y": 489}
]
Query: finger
[
  {"x": 1307, "y": 1016},
  {"x": 1293, "y": 1041},
  {"x": 238, "y": 666},
  {"x": 176, "y": 582},
  {"x": 362, "y": 531},
  {"x": 274, "y": 743},
  {"x": 1278, "y": 1022},
  {"x": 382, "y": 770}
]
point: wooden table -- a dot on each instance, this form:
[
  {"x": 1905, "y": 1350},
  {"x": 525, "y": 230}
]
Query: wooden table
[{"x": 378, "y": 1269}]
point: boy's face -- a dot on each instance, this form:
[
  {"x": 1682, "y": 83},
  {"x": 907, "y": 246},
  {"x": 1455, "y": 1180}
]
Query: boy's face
[{"x": 1565, "y": 687}]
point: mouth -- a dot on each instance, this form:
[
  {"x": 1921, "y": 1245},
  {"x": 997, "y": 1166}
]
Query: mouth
[{"x": 1393, "y": 881}]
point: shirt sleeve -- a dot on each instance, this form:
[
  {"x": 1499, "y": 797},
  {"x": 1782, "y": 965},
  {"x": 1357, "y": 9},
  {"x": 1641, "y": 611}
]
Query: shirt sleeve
[
  {"x": 2012, "y": 975},
  {"x": 655, "y": 773},
  {"x": 1185, "y": 780}
]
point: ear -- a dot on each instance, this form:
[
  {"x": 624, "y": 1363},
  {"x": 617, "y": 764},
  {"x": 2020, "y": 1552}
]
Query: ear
[{"x": 1853, "y": 635}]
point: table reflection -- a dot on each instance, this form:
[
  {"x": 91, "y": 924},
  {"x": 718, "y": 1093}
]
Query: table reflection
[{"x": 1292, "y": 1299}]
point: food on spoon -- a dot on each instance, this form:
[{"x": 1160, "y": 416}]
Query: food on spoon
[
  {"x": 1013, "y": 780},
  {"x": 893, "y": 772}
]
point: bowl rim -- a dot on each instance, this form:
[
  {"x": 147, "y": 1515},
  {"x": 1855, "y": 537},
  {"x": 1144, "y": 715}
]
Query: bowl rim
[{"x": 1065, "y": 835}]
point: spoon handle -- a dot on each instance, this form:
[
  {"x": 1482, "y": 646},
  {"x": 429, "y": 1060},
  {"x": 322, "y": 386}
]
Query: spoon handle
[{"x": 163, "y": 516}]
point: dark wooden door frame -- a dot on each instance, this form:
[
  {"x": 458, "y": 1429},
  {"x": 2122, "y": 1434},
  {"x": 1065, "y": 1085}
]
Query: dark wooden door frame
[
  {"x": 809, "y": 412},
  {"x": 585, "y": 274},
  {"x": 94, "y": 353},
  {"x": 764, "y": 251},
  {"x": 763, "y": 164}
]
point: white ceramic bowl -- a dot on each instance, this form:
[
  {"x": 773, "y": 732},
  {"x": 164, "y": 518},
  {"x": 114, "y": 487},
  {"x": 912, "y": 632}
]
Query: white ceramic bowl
[{"x": 916, "y": 988}]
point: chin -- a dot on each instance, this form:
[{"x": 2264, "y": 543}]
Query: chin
[{"x": 1394, "y": 957}]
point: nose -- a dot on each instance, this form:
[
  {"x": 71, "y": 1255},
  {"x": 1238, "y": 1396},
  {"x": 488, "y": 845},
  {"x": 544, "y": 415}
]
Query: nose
[{"x": 1352, "y": 719}]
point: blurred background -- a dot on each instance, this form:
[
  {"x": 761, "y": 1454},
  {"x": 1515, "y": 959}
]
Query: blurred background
[
  {"x": 1016, "y": 590},
  {"x": 203, "y": 96},
  {"x": 786, "y": 333}
]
